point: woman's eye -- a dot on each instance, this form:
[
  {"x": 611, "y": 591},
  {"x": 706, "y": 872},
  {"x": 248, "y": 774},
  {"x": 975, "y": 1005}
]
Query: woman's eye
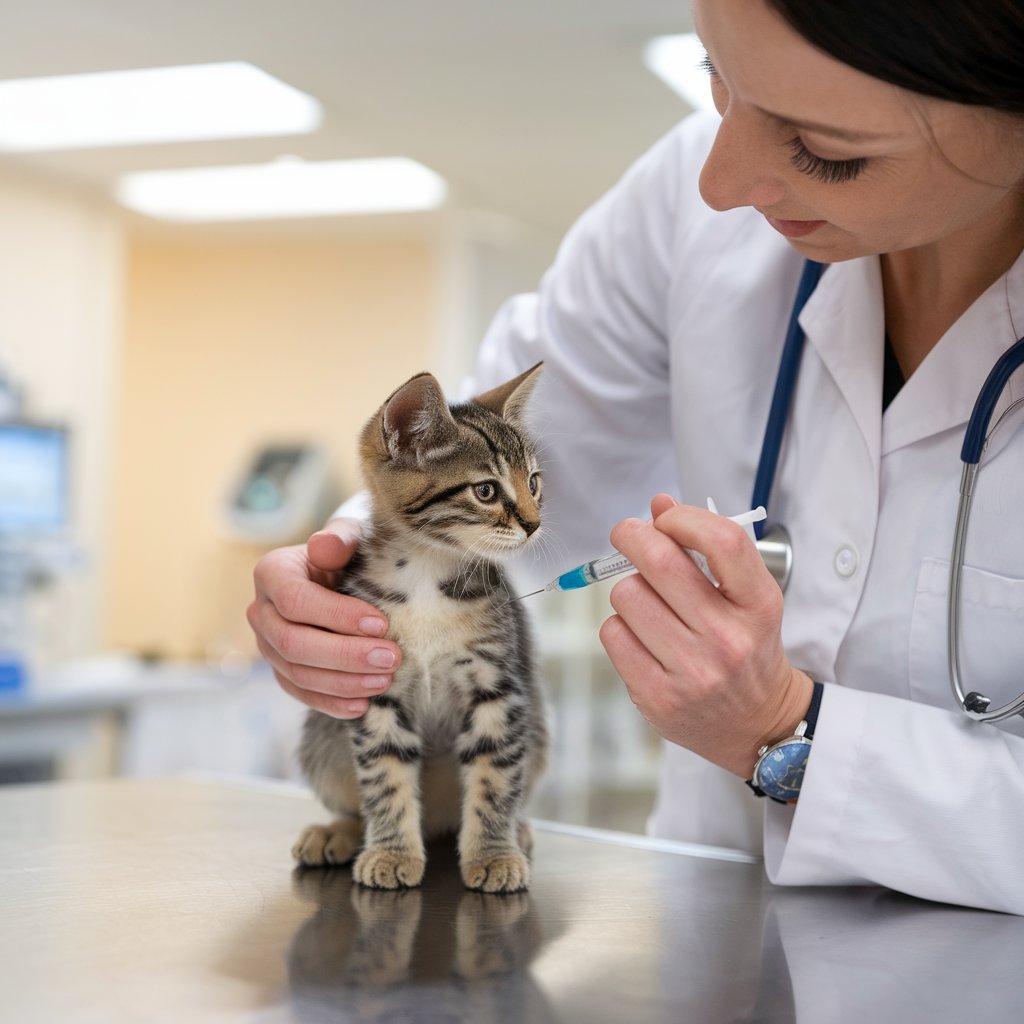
[
  {"x": 486, "y": 492},
  {"x": 534, "y": 484},
  {"x": 832, "y": 172}
]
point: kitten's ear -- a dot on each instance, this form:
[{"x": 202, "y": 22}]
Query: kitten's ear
[
  {"x": 508, "y": 400},
  {"x": 416, "y": 420}
]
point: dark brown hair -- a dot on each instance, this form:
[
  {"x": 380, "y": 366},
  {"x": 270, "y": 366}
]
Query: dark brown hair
[{"x": 965, "y": 51}]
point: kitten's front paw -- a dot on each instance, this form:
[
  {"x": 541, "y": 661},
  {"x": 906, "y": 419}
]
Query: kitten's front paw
[
  {"x": 382, "y": 868},
  {"x": 497, "y": 872},
  {"x": 321, "y": 845}
]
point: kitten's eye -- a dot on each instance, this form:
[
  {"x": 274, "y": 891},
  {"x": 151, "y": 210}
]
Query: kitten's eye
[
  {"x": 534, "y": 484},
  {"x": 486, "y": 492}
]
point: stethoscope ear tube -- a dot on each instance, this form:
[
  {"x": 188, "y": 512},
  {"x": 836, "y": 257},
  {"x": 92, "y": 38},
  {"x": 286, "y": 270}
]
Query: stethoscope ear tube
[
  {"x": 974, "y": 704},
  {"x": 985, "y": 404}
]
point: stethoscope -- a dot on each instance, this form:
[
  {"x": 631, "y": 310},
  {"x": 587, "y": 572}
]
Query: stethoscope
[{"x": 774, "y": 542}]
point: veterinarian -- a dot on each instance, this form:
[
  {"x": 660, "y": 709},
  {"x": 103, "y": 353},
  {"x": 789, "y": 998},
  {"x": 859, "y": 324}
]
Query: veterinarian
[{"x": 886, "y": 142}]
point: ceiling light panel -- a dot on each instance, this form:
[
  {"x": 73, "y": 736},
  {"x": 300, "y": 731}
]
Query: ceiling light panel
[
  {"x": 151, "y": 105},
  {"x": 678, "y": 61},
  {"x": 288, "y": 187}
]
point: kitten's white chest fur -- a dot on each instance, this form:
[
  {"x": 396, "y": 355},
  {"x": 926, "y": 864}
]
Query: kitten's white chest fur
[{"x": 432, "y": 629}]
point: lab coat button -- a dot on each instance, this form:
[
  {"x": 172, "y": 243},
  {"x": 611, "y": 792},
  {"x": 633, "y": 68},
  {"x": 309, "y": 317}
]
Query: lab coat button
[{"x": 846, "y": 562}]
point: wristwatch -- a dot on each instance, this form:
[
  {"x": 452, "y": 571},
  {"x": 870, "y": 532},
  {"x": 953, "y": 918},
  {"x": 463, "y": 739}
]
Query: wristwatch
[{"x": 779, "y": 771}]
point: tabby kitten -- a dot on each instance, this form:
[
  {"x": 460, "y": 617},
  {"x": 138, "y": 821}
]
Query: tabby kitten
[{"x": 459, "y": 739}]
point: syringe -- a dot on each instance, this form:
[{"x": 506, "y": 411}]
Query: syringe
[{"x": 615, "y": 564}]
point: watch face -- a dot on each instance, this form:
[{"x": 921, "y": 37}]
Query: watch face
[{"x": 780, "y": 771}]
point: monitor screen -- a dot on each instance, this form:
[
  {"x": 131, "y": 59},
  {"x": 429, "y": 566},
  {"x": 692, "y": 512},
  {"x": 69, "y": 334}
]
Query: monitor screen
[{"x": 33, "y": 478}]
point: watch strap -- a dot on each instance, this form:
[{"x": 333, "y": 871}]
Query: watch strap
[{"x": 810, "y": 720}]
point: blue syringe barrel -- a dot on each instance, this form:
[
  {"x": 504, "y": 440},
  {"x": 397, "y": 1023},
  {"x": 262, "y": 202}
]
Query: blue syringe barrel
[
  {"x": 592, "y": 572},
  {"x": 575, "y": 579}
]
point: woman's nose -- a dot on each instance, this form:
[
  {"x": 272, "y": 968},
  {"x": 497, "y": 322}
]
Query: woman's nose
[{"x": 739, "y": 169}]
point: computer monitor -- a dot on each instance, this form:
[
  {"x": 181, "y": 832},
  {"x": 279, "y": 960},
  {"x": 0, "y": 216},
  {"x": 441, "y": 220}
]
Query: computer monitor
[{"x": 33, "y": 479}]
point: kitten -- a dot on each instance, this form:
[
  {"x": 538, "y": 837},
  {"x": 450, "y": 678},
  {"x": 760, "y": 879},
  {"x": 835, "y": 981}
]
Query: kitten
[{"x": 459, "y": 739}]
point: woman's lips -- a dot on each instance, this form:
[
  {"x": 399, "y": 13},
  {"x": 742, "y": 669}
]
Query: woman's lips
[{"x": 794, "y": 228}]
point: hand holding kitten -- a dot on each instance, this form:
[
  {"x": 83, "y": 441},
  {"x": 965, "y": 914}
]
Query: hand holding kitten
[{"x": 323, "y": 646}]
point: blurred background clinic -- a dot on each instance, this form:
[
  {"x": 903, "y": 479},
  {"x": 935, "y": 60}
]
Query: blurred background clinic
[{"x": 228, "y": 229}]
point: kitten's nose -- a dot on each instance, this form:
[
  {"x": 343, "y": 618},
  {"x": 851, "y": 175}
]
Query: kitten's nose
[{"x": 531, "y": 526}]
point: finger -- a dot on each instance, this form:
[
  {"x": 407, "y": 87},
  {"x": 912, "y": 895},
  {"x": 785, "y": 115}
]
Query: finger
[
  {"x": 656, "y": 626},
  {"x": 336, "y": 707},
  {"x": 300, "y": 600},
  {"x": 639, "y": 669},
  {"x": 300, "y": 644},
  {"x": 662, "y": 503},
  {"x": 731, "y": 554},
  {"x": 331, "y": 548},
  {"x": 348, "y": 685},
  {"x": 667, "y": 568}
]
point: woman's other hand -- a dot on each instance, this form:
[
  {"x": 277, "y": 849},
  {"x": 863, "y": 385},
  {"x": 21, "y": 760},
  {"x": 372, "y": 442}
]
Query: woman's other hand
[{"x": 327, "y": 650}]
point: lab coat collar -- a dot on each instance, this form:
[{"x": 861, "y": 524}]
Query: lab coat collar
[
  {"x": 845, "y": 322},
  {"x": 941, "y": 393}
]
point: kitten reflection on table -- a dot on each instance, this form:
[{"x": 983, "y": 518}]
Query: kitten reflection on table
[{"x": 377, "y": 953}]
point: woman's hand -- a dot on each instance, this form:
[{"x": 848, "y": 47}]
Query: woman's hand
[
  {"x": 323, "y": 646},
  {"x": 704, "y": 666}
]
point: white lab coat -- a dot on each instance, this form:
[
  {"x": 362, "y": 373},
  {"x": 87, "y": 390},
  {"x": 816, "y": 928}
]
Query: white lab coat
[{"x": 661, "y": 324}]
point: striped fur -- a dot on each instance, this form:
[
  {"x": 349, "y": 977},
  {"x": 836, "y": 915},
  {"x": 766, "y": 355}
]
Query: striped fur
[{"x": 459, "y": 739}]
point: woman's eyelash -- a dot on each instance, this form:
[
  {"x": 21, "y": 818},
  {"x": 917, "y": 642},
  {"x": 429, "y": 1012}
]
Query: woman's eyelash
[{"x": 832, "y": 172}]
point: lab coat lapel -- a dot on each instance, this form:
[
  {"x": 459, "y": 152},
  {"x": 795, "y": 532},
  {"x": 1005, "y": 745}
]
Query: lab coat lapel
[
  {"x": 844, "y": 321},
  {"x": 941, "y": 393}
]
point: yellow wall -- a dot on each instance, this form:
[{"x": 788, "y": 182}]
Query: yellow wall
[{"x": 227, "y": 345}]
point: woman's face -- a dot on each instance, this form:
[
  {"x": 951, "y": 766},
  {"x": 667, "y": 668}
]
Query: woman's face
[{"x": 843, "y": 164}]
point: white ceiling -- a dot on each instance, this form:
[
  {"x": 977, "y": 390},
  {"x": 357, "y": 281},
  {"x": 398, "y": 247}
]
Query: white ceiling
[{"x": 529, "y": 108}]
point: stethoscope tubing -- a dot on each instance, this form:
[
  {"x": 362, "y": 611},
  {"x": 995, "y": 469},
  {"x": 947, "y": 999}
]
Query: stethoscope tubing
[
  {"x": 974, "y": 704},
  {"x": 773, "y": 541},
  {"x": 782, "y": 395}
]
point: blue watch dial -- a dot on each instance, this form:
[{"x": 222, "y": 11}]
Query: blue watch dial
[{"x": 780, "y": 770}]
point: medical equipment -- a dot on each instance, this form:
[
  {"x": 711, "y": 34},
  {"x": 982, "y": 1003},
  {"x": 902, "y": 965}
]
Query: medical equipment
[
  {"x": 34, "y": 461},
  {"x": 615, "y": 564},
  {"x": 283, "y": 493},
  {"x": 774, "y": 542}
]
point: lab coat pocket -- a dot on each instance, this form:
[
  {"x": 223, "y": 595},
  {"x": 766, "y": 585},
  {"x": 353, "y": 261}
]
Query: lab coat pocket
[{"x": 991, "y": 635}]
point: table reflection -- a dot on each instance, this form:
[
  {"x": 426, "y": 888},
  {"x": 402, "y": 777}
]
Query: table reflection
[
  {"x": 848, "y": 953},
  {"x": 373, "y": 955}
]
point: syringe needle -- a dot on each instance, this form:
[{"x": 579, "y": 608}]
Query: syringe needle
[{"x": 523, "y": 596}]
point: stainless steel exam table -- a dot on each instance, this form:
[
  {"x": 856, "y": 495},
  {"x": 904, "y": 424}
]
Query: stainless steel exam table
[{"x": 177, "y": 901}]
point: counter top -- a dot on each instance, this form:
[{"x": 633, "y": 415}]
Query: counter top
[{"x": 153, "y": 901}]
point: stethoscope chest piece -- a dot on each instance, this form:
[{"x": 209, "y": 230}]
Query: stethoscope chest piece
[{"x": 776, "y": 550}]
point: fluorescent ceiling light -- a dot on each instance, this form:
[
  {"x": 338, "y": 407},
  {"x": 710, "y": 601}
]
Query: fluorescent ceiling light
[
  {"x": 124, "y": 108},
  {"x": 677, "y": 60},
  {"x": 288, "y": 187}
]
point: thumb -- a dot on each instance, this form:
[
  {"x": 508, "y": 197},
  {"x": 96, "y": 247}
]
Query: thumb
[
  {"x": 331, "y": 548},
  {"x": 662, "y": 503}
]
